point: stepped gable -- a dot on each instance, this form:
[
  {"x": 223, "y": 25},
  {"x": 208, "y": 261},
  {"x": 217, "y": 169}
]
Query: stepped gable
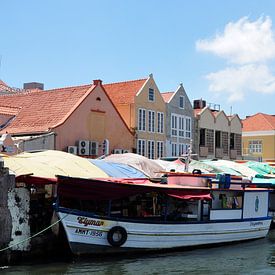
[
  {"x": 124, "y": 92},
  {"x": 259, "y": 122},
  {"x": 38, "y": 111}
]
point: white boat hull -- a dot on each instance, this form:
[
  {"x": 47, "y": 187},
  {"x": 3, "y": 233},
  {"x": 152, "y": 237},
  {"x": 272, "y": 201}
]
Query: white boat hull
[{"x": 88, "y": 235}]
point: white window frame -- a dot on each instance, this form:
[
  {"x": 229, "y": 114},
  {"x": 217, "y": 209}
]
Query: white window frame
[
  {"x": 141, "y": 147},
  {"x": 174, "y": 149},
  {"x": 255, "y": 146},
  {"x": 174, "y": 123},
  {"x": 160, "y": 149},
  {"x": 142, "y": 119},
  {"x": 151, "y": 121},
  {"x": 188, "y": 127},
  {"x": 160, "y": 127},
  {"x": 181, "y": 99},
  {"x": 181, "y": 126},
  {"x": 151, "y": 149},
  {"x": 151, "y": 95}
]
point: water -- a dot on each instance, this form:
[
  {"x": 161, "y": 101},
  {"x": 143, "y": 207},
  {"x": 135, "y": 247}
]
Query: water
[{"x": 254, "y": 257}]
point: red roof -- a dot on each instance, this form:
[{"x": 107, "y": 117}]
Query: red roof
[
  {"x": 259, "y": 122},
  {"x": 124, "y": 92},
  {"x": 167, "y": 96},
  {"x": 39, "y": 111}
]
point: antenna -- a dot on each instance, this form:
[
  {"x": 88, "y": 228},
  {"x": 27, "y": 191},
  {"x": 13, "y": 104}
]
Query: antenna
[{"x": 230, "y": 110}]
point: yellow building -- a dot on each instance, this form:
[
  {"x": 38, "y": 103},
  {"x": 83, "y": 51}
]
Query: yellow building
[
  {"x": 258, "y": 136},
  {"x": 143, "y": 109}
]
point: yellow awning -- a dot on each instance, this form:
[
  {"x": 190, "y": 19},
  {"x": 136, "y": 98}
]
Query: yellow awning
[{"x": 48, "y": 164}]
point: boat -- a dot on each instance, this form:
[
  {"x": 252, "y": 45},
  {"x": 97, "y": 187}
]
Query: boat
[{"x": 102, "y": 216}]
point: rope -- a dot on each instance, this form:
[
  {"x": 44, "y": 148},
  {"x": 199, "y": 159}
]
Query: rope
[{"x": 33, "y": 236}]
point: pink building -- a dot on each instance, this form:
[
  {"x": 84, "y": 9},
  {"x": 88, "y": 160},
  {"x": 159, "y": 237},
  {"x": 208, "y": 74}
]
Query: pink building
[{"x": 82, "y": 118}]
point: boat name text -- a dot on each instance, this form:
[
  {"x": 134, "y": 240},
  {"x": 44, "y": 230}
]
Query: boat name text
[
  {"x": 256, "y": 223},
  {"x": 87, "y": 221}
]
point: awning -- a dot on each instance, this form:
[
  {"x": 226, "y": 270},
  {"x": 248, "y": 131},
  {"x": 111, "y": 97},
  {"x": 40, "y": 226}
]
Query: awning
[{"x": 97, "y": 189}]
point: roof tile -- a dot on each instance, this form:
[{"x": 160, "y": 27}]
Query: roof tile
[{"x": 259, "y": 122}]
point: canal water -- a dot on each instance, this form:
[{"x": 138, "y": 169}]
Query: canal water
[{"x": 253, "y": 257}]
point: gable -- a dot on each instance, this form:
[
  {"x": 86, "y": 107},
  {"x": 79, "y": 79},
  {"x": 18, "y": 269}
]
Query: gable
[{"x": 39, "y": 111}]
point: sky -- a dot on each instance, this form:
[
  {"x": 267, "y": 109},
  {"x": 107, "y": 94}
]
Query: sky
[{"x": 222, "y": 51}]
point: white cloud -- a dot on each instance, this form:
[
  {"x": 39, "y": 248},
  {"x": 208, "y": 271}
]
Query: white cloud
[
  {"x": 243, "y": 42},
  {"x": 237, "y": 81}
]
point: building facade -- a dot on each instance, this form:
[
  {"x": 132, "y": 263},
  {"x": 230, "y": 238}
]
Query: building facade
[
  {"x": 217, "y": 135},
  {"x": 258, "y": 137},
  {"x": 179, "y": 122},
  {"x": 143, "y": 109}
]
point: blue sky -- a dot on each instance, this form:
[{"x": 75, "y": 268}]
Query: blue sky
[{"x": 222, "y": 51}]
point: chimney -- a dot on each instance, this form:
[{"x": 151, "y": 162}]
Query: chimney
[
  {"x": 33, "y": 85},
  {"x": 97, "y": 82},
  {"x": 199, "y": 104}
]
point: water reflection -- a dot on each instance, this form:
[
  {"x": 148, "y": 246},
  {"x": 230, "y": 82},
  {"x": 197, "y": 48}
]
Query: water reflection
[{"x": 255, "y": 257}]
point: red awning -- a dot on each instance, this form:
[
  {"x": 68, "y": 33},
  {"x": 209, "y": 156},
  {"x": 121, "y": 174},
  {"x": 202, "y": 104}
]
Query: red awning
[{"x": 94, "y": 189}]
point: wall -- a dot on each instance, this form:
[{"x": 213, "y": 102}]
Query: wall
[
  {"x": 7, "y": 182},
  {"x": 79, "y": 125},
  {"x": 268, "y": 146},
  {"x": 158, "y": 105}
]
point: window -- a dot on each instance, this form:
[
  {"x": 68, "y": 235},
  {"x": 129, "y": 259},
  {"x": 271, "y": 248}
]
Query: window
[
  {"x": 232, "y": 141},
  {"x": 255, "y": 146},
  {"x": 160, "y": 147},
  {"x": 141, "y": 119},
  {"x": 202, "y": 137},
  {"x": 218, "y": 139},
  {"x": 182, "y": 102},
  {"x": 174, "y": 150},
  {"x": 174, "y": 128},
  {"x": 160, "y": 122},
  {"x": 182, "y": 149},
  {"x": 181, "y": 126},
  {"x": 151, "y": 149},
  {"x": 151, "y": 122},
  {"x": 151, "y": 96},
  {"x": 188, "y": 127},
  {"x": 141, "y": 147}
]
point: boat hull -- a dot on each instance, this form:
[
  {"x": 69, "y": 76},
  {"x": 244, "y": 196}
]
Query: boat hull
[{"x": 88, "y": 234}]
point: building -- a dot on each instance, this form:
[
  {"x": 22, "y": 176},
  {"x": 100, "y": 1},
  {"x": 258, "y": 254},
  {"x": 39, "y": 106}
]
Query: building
[
  {"x": 179, "y": 122},
  {"x": 142, "y": 107},
  {"x": 258, "y": 137},
  {"x": 217, "y": 135},
  {"x": 81, "y": 119}
]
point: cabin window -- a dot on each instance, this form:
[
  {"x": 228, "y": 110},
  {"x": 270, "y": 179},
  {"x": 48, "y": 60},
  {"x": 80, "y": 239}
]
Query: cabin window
[
  {"x": 151, "y": 96},
  {"x": 227, "y": 200}
]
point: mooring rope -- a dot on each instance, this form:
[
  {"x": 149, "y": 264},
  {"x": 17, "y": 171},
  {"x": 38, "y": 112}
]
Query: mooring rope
[{"x": 36, "y": 234}]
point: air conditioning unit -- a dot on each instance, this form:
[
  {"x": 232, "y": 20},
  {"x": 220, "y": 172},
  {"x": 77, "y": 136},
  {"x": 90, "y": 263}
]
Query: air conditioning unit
[
  {"x": 93, "y": 148},
  {"x": 72, "y": 150},
  {"x": 83, "y": 147},
  {"x": 117, "y": 151},
  {"x": 125, "y": 151}
]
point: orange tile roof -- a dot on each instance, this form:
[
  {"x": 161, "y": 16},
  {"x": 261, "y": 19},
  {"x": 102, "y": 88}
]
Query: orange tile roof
[
  {"x": 259, "y": 122},
  {"x": 2, "y": 83},
  {"x": 124, "y": 92},
  {"x": 8, "y": 110},
  {"x": 167, "y": 96},
  {"x": 42, "y": 110}
]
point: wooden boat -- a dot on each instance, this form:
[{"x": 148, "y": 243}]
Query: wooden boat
[{"x": 116, "y": 215}]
